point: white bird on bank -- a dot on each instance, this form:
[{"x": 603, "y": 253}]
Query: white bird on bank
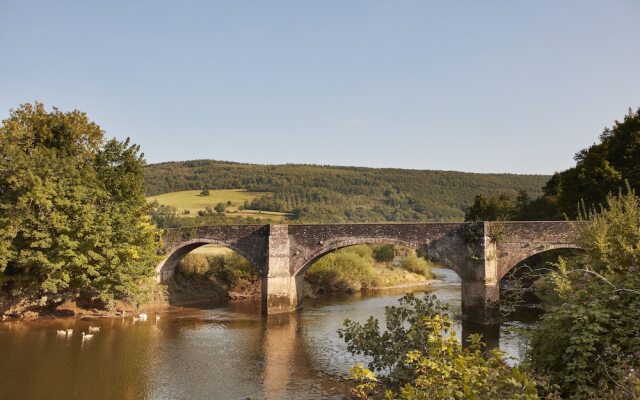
[
  {"x": 86, "y": 336},
  {"x": 94, "y": 329},
  {"x": 143, "y": 317}
]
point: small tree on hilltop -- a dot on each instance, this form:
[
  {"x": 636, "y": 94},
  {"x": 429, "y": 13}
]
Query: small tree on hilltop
[{"x": 220, "y": 208}]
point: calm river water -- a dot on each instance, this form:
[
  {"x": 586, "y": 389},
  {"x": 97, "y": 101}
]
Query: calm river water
[{"x": 227, "y": 352}]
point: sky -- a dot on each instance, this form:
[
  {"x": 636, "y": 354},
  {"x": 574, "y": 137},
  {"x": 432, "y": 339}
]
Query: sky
[{"x": 481, "y": 86}]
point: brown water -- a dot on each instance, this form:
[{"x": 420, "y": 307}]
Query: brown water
[{"x": 227, "y": 352}]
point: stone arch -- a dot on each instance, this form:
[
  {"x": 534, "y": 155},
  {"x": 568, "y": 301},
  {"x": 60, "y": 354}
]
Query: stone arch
[
  {"x": 337, "y": 244},
  {"x": 167, "y": 266},
  {"x": 510, "y": 262}
]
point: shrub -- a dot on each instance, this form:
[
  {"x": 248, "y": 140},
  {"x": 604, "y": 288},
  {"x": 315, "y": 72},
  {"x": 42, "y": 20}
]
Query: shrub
[
  {"x": 588, "y": 341},
  {"x": 417, "y": 265},
  {"x": 384, "y": 253},
  {"x": 425, "y": 360},
  {"x": 349, "y": 269}
]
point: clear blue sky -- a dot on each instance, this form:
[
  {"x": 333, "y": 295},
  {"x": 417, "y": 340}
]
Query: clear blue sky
[{"x": 487, "y": 86}]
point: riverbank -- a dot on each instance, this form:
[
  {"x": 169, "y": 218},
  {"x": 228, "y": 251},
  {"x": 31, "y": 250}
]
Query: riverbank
[{"x": 216, "y": 276}]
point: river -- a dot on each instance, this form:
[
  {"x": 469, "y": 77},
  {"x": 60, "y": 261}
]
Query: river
[{"x": 224, "y": 352}]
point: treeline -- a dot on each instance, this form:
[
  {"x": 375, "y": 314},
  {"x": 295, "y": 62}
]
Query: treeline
[
  {"x": 313, "y": 193},
  {"x": 167, "y": 217},
  {"x": 603, "y": 168}
]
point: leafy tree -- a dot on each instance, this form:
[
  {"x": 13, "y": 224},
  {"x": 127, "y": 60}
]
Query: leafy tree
[
  {"x": 220, "y": 208},
  {"x": 425, "y": 360},
  {"x": 600, "y": 169},
  {"x": 384, "y": 253},
  {"x": 205, "y": 192},
  {"x": 493, "y": 208},
  {"x": 588, "y": 341},
  {"x": 72, "y": 211}
]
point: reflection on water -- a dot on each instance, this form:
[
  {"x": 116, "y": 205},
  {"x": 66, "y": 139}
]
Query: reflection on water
[{"x": 219, "y": 353}]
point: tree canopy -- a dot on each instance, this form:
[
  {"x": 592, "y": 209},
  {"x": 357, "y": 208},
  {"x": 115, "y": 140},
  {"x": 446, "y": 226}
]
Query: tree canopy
[
  {"x": 600, "y": 170},
  {"x": 72, "y": 210}
]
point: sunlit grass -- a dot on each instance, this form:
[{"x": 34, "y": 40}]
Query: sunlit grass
[{"x": 192, "y": 201}]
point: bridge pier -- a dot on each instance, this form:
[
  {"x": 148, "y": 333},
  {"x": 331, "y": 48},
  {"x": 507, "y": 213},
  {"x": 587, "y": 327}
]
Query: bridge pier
[
  {"x": 480, "y": 283},
  {"x": 279, "y": 286},
  {"x": 479, "y": 302}
]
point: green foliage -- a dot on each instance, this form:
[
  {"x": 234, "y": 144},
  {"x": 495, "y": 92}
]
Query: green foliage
[
  {"x": 588, "y": 341},
  {"x": 342, "y": 194},
  {"x": 403, "y": 333},
  {"x": 345, "y": 270},
  {"x": 355, "y": 268},
  {"x": 600, "y": 170},
  {"x": 612, "y": 238},
  {"x": 417, "y": 265},
  {"x": 205, "y": 192},
  {"x": 72, "y": 211},
  {"x": 425, "y": 360},
  {"x": 472, "y": 233},
  {"x": 230, "y": 270},
  {"x": 220, "y": 208},
  {"x": 494, "y": 208},
  {"x": 384, "y": 253}
]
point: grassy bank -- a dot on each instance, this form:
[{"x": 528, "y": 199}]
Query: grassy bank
[{"x": 367, "y": 267}]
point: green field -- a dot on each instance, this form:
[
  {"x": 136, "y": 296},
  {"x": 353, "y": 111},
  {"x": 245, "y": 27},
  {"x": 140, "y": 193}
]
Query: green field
[
  {"x": 192, "y": 201},
  {"x": 212, "y": 250}
]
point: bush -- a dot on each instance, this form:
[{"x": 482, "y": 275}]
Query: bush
[
  {"x": 194, "y": 264},
  {"x": 229, "y": 270},
  {"x": 350, "y": 269},
  {"x": 417, "y": 265},
  {"x": 384, "y": 253},
  {"x": 220, "y": 208},
  {"x": 588, "y": 341},
  {"x": 418, "y": 356},
  {"x": 235, "y": 270}
]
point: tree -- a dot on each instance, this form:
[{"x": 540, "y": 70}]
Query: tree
[
  {"x": 600, "y": 169},
  {"x": 588, "y": 341},
  {"x": 494, "y": 208},
  {"x": 384, "y": 253},
  {"x": 425, "y": 360},
  {"x": 73, "y": 217},
  {"x": 205, "y": 191},
  {"x": 220, "y": 208}
]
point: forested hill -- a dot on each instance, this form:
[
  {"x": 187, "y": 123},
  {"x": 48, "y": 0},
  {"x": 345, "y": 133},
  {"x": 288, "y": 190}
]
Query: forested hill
[{"x": 314, "y": 193}]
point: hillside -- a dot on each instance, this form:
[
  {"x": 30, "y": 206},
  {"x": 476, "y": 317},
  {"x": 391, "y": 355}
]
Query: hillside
[{"x": 314, "y": 193}]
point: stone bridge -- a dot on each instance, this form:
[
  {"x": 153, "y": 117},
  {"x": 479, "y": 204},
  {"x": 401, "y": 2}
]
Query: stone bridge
[{"x": 480, "y": 253}]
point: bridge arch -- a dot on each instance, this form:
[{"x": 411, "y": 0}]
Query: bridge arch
[
  {"x": 511, "y": 262},
  {"x": 337, "y": 244},
  {"x": 167, "y": 266}
]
